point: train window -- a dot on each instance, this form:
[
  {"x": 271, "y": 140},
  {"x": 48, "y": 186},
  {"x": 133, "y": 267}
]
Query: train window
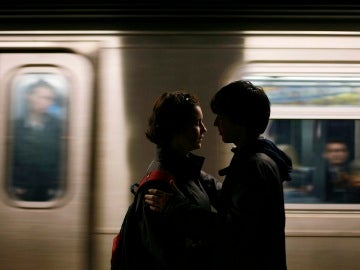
[
  {"x": 37, "y": 122},
  {"x": 315, "y": 121},
  {"x": 325, "y": 169}
]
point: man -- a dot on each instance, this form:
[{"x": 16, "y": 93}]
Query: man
[
  {"x": 251, "y": 211},
  {"x": 336, "y": 154},
  {"x": 37, "y": 145}
]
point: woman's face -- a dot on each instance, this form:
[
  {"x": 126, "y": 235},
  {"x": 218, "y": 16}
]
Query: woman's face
[{"x": 192, "y": 136}]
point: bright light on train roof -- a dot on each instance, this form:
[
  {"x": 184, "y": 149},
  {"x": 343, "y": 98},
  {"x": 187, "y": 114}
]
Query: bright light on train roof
[
  {"x": 314, "y": 112},
  {"x": 310, "y": 91},
  {"x": 294, "y": 79}
]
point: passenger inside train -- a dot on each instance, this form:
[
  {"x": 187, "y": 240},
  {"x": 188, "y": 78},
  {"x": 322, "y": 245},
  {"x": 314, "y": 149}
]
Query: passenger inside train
[
  {"x": 336, "y": 155},
  {"x": 36, "y": 149},
  {"x": 300, "y": 188},
  {"x": 322, "y": 151}
]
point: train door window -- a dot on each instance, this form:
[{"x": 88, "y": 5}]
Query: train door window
[
  {"x": 36, "y": 133},
  {"x": 323, "y": 155},
  {"x": 315, "y": 121}
]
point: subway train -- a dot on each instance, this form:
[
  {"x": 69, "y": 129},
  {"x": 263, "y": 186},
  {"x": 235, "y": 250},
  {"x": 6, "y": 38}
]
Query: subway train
[{"x": 101, "y": 83}]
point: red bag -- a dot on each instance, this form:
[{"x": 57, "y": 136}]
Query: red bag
[{"x": 126, "y": 244}]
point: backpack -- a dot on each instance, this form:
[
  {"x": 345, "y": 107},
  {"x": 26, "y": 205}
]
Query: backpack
[{"x": 127, "y": 244}]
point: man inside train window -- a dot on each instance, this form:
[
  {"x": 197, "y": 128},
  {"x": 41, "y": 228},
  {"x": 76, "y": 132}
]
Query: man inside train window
[
  {"x": 336, "y": 154},
  {"x": 35, "y": 165}
]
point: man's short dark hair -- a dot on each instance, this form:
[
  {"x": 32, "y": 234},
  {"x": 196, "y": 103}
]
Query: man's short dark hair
[{"x": 244, "y": 104}]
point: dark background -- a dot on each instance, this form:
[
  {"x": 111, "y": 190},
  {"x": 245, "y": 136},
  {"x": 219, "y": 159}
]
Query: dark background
[{"x": 177, "y": 15}]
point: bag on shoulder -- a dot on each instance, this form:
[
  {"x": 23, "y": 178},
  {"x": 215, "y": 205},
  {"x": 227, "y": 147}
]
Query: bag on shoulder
[{"x": 127, "y": 245}]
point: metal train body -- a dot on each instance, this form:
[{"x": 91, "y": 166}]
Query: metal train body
[{"x": 110, "y": 81}]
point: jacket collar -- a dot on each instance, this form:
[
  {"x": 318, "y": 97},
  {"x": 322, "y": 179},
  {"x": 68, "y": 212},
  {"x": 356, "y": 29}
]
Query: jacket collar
[{"x": 185, "y": 166}]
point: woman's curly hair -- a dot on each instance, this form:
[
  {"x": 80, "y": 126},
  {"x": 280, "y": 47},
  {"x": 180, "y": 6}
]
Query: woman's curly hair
[{"x": 172, "y": 113}]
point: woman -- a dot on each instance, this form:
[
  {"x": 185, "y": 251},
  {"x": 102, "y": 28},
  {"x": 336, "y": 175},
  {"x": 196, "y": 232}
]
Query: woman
[{"x": 176, "y": 128}]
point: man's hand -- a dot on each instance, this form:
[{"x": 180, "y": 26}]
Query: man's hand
[{"x": 157, "y": 199}]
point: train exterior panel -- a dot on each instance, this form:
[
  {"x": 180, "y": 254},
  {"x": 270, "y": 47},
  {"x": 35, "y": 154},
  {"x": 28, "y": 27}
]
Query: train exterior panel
[{"x": 107, "y": 82}]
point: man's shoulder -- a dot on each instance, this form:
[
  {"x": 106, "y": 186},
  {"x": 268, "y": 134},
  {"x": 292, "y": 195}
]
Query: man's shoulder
[{"x": 260, "y": 162}]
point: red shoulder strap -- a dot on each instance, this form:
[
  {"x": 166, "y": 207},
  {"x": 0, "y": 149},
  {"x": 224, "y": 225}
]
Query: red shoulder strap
[{"x": 156, "y": 175}]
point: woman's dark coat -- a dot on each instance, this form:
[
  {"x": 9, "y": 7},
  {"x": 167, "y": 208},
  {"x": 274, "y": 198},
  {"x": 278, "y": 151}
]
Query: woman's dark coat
[{"x": 177, "y": 239}]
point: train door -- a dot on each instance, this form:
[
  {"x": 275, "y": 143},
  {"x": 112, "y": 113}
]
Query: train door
[{"x": 45, "y": 124}]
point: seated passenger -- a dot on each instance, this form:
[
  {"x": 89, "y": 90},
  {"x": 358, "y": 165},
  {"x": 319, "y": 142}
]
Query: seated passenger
[
  {"x": 299, "y": 189},
  {"x": 36, "y": 156},
  {"x": 336, "y": 154}
]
